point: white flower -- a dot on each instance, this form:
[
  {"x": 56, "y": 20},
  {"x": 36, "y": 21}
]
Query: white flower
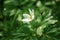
[{"x": 27, "y": 17}]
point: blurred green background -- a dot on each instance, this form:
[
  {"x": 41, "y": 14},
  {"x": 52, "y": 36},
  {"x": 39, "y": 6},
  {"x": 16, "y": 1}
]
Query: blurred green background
[{"x": 29, "y": 19}]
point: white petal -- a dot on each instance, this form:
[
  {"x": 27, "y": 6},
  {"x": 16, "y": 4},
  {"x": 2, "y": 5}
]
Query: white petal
[
  {"x": 26, "y": 16},
  {"x": 33, "y": 17},
  {"x": 26, "y": 20},
  {"x": 31, "y": 12}
]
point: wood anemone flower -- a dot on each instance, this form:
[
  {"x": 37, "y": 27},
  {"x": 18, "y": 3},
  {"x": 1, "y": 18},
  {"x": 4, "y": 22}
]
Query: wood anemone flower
[{"x": 28, "y": 17}]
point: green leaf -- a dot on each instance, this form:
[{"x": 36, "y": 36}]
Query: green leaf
[{"x": 40, "y": 30}]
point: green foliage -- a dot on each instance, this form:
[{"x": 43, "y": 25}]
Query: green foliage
[{"x": 30, "y": 20}]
